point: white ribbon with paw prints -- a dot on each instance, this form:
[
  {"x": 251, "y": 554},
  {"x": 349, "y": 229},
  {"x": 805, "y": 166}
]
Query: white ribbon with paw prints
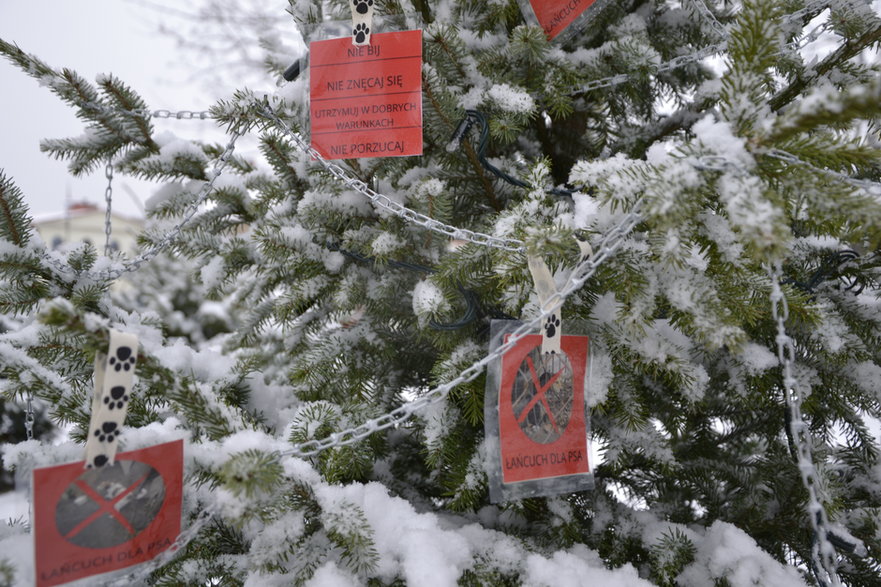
[
  {"x": 362, "y": 21},
  {"x": 114, "y": 376},
  {"x": 552, "y": 327}
]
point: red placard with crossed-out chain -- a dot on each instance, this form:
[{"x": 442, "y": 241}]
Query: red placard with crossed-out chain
[
  {"x": 555, "y": 15},
  {"x": 366, "y": 101},
  {"x": 89, "y": 522},
  {"x": 542, "y": 422}
]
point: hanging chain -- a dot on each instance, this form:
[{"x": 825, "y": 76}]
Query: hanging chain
[
  {"x": 708, "y": 15},
  {"x": 721, "y": 164},
  {"x": 608, "y": 245},
  {"x": 809, "y": 8},
  {"x": 675, "y": 63},
  {"x": 147, "y": 113},
  {"x": 108, "y": 198},
  {"x": 169, "y": 237},
  {"x": 29, "y": 417},
  {"x": 814, "y": 34},
  {"x": 179, "y": 114},
  {"x": 172, "y": 235},
  {"x": 709, "y": 50},
  {"x": 822, "y": 551},
  {"x": 386, "y": 203},
  {"x": 863, "y": 184}
]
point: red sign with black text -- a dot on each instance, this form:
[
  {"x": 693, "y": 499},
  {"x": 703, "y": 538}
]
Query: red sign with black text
[
  {"x": 555, "y": 15},
  {"x": 542, "y": 422},
  {"x": 89, "y": 522},
  {"x": 366, "y": 101}
]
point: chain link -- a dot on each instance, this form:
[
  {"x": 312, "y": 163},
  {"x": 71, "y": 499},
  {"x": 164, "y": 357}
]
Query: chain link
[
  {"x": 814, "y": 34},
  {"x": 721, "y": 164},
  {"x": 708, "y": 15},
  {"x": 672, "y": 64},
  {"x": 29, "y": 417},
  {"x": 809, "y": 8},
  {"x": 386, "y": 203},
  {"x": 179, "y": 114},
  {"x": 707, "y": 51},
  {"x": 108, "y": 198},
  {"x": 863, "y": 184},
  {"x": 147, "y": 113},
  {"x": 822, "y": 551}
]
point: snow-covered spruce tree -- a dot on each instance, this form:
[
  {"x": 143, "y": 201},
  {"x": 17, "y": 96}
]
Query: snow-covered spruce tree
[
  {"x": 173, "y": 291},
  {"x": 771, "y": 161}
]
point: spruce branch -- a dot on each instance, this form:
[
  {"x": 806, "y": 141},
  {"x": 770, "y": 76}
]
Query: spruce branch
[
  {"x": 827, "y": 106},
  {"x": 14, "y": 221},
  {"x": 849, "y": 49}
]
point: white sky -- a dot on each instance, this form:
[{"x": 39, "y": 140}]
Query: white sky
[{"x": 91, "y": 37}]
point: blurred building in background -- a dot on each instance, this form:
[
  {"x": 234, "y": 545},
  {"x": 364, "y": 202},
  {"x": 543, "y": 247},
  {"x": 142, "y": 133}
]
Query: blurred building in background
[{"x": 84, "y": 222}]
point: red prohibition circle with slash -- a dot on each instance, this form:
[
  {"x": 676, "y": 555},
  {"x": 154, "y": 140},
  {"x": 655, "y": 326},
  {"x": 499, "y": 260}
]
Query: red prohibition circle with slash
[
  {"x": 100, "y": 520},
  {"x": 542, "y": 425},
  {"x": 107, "y": 508}
]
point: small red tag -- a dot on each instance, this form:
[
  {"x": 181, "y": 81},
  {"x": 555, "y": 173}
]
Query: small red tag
[
  {"x": 542, "y": 426},
  {"x": 555, "y": 15},
  {"x": 101, "y": 520},
  {"x": 366, "y": 101}
]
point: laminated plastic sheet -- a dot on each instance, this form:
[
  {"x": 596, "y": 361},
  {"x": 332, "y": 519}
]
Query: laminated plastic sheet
[
  {"x": 536, "y": 416},
  {"x": 557, "y": 16},
  {"x": 366, "y": 101}
]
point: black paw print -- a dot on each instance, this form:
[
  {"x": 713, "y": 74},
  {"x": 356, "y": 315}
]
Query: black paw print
[
  {"x": 551, "y": 326},
  {"x": 99, "y": 461},
  {"x": 361, "y": 7},
  {"x": 123, "y": 359},
  {"x": 117, "y": 398},
  {"x": 107, "y": 432},
  {"x": 360, "y": 31}
]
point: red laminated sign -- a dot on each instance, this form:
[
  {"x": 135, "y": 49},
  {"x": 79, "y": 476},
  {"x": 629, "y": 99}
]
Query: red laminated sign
[
  {"x": 555, "y": 15},
  {"x": 542, "y": 422},
  {"x": 89, "y": 522},
  {"x": 366, "y": 101}
]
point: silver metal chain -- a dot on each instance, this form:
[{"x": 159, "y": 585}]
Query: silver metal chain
[
  {"x": 386, "y": 203},
  {"x": 809, "y": 8},
  {"x": 675, "y": 63},
  {"x": 607, "y": 246},
  {"x": 704, "y": 10},
  {"x": 814, "y": 34},
  {"x": 147, "y": 113},
  {"x": 178, "y": 114},
  {"x": 29, "y": 417},
  {"x": 704, "y": 52},
  {"x": 108, "y": 198},
  {"x": 869, "y": 186},
  {"x": 822, "y": 551},
  {"x": 169, "y": 237}
]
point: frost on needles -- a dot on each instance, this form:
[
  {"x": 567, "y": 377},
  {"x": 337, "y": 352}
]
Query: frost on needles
[{"x": 288, "y": 309}]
